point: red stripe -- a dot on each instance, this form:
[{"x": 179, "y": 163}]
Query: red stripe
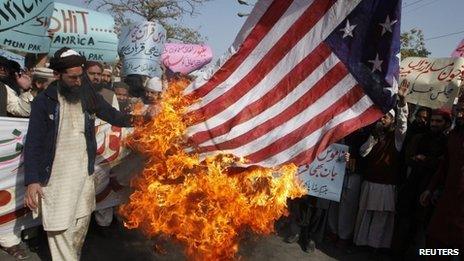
[
  {"x": 287, "y": 141},
  {"x": 298, "y": 30},
  {"x": 281, "y": 90},
  {"x": 334, "y": 135},
  {"x": 262, "y": 28},
  {"x": 327, "y": 82}
]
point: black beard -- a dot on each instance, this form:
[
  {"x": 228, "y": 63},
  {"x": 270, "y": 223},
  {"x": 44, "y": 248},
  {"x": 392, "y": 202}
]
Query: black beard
[{"x": 70, "y": 94}]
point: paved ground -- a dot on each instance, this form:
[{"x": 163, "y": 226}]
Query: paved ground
[{"x": 131, "y": 245}]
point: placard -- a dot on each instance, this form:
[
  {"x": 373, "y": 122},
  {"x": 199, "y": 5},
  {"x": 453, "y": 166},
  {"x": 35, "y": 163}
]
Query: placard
[
  {"x": 140, "y": 47},
  {"x": 186, "y": 58},
  {"x": 433, "y": 83},
  {"x": 323, "y": 178},
  {"x": 88, "y": 32}
]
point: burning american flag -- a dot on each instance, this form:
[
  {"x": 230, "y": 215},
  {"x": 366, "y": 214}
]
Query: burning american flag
[{"x": 306, "y": 74}]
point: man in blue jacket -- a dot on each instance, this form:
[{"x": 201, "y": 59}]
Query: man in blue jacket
[{"x": 60, "y": 151}]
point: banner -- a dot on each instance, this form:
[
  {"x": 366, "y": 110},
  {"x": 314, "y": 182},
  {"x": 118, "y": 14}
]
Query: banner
[
  {"x": 89, "y": 32},
  {"x": 140, "y": 47},
  {"x": 15, "y": 57},
  {"x": 432, "y": 82},
  {"x": 324, "y": 177},
  {"x": 112, "y": 180},
  {"x": 24, "y": 24},
  {"x": 186, "y": 58},
  {"x": 459, "y": 52}
]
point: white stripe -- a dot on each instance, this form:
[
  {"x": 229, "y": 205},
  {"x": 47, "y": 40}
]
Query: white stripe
[
  {"x": 320, "y": 105},
  {"x": 310, "y": 141},
  {"x": 292, "y": 14},
  {"x": 304, "y": 47},
  {"x": 258, "y": 11},
  {"x": 277, "y": 108}
]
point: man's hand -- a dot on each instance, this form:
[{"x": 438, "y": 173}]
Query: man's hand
[
  {"x": 33, "y": 192},
  {"x": 425, "y": 198},
  {"x": 402, "y": 93}
]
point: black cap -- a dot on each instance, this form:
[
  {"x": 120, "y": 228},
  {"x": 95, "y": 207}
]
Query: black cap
[{"x": 66, "y": 58}]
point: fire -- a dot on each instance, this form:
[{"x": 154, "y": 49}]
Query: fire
[{"x": 203, "y": 204}]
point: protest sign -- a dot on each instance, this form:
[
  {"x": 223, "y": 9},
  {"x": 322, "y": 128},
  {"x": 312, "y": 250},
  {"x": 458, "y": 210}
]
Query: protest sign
[
  {"x": 12, "y": 56},
  {"x": 459, "y": 51},
  {"x": 324, "y": 177},
  {"x": 432, "y": 82},
  {"x": 140, "y": 47},
  {"x": 111, "y": 189},
  {"x": 24, "y": 24},
  {"x": 89, "y": 32},
  {"x": 186, "y": 58}
]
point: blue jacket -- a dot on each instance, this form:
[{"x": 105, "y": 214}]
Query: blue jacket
[{"x": 39, "y": 151}]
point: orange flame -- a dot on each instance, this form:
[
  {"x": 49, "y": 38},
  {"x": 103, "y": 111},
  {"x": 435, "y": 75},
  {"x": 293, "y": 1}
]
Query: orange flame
[{"x": 200, "y": 203}]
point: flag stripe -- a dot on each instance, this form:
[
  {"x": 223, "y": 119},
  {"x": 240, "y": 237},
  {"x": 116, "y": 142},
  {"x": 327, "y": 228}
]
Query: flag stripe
[
  {"x": 368, "y": 117},
  {"x": 298, "y": 30},
  {"x": 272, "y": 16},
  {"x": 327, "y": 82},
  {"x": 290, "y": 82},
  {"x": 324, "y": 27},
  {"x": 277, "y": 109},
  {"x": 311, "y": 140},
  {"x": 285, "y": 142}
]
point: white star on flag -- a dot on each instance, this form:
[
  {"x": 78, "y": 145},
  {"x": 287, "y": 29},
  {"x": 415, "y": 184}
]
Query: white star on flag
[
  {"x": 387, "y": 26},
  {"x": 348, "y": 30},
  {"x": 376, "y": 64}
]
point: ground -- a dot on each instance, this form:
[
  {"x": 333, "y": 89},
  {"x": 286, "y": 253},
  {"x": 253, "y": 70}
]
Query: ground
[{"x": 126, "y": 244}]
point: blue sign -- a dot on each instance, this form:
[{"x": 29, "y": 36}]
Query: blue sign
[
  {"x": 140, "y": 48},
  {"x": 24, "y": 26},
  {"x": 88, "y": 32},
  {"x": 324, "y": 177},
  {"x": 15, "y": 57}
]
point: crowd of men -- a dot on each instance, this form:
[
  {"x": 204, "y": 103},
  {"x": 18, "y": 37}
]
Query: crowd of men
[
  {"x": 403, "y": 189},
  {"x": 62, "y": 101}
]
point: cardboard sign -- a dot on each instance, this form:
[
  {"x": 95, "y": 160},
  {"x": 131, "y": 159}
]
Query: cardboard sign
[
  {"x": 140, "y": 47},
  {"x": 459, "y": 51},
  {"x": 15, "y": 57},
  {"x": 88, "y": 32},
  {"x": 432, "y": 82},
  {"x": 25, "y": 29},
  {"x": 186, "y": 58},
  {"x": 324, "y": 177}
]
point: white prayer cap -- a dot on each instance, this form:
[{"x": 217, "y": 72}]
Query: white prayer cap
[
  {"x": 392, "y": 113},
  {"x": 43, "y": 72},
  {"x": 155, "y": 84}
]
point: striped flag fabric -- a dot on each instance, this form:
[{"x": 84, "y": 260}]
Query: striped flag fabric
[{"x": 304, "y": 74}]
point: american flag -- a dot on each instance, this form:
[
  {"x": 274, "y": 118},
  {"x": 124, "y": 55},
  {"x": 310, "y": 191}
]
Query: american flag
[{"x": 304, "y": 75}]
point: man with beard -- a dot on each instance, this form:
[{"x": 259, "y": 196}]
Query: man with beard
[
  {"x": 41, "y": 78},
  {"x": 106, "y": 77},
  {"x": 94, "y": 72},
  {"x": 446, "y": 229},
  {"x": 122, "y": 94},
  {"x": 375, "y": 220},
  {"x": 423, "y": 156},
  {"x": 59, "y": 155},
  {"x": 154, "y": 89},
  {"x": 14, "y": 101}
]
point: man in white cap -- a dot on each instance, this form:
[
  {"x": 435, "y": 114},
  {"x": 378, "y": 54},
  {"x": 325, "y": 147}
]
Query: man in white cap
[
  {"x": 154, "y": 89},
  {"x": 60, "y": 151},
  {"x": 41, "y": 78},
  {"x": 376, "y": 215}
]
